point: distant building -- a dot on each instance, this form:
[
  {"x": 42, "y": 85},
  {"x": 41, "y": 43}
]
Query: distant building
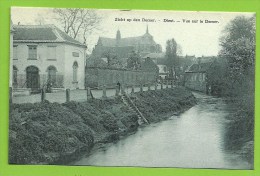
[
  {"x": 44, "y": 53},
  {"x": 204, "y": 77},
  {"x": 196, "y": 77},
  {"x": 122, "y": 47},
  {"x": 155, "y": 57},
  {"x": 160, "y": 60}
]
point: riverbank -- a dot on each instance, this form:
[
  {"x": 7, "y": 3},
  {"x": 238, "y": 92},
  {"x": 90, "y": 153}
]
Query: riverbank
[
  {"x": 240, "y": 132},
  {"x": 52, "y": 133}
]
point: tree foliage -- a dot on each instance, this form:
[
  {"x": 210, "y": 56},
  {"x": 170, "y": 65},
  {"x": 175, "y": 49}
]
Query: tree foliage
[
  {"x": 171, "y": 56},
  {"x": 112, "y": 59},
  {"x": 78, "y": 23},
  {"x": 134, "y": 61},
  {"x": 238, "y": 49}
]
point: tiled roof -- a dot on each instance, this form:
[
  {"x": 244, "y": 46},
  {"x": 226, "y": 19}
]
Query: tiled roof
[
  {"x": 42, "y": 33},
  {"x": 202, "y": 67}
]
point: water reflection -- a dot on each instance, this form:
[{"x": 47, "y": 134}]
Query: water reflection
[{"x": 195, "y": 139}]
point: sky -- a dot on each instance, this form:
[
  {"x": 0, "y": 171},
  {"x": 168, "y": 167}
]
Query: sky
[{"x": 195, "y": 37}]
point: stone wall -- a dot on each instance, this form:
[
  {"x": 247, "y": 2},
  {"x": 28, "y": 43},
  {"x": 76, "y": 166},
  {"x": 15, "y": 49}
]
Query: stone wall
[{"x": 97, "y": 77}]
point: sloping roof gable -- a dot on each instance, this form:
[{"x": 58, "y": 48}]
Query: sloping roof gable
[
  {"x": 203, "y": 67},
  {"x": 26, "y": 33},
  {"x": 42, "y": 33}
]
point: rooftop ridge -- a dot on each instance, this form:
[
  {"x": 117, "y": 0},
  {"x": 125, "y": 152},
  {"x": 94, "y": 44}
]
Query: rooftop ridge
[
  {"x": 43, "y": 33},
  {"x": 33, "y": 26}
]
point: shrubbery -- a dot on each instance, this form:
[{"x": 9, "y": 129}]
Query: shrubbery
[
  {"x": 152, "y": 105},
  {"x": 48, "y": 132},
  {"x": 49, "y": 128}
]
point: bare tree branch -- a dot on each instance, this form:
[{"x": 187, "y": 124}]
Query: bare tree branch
[{"x": 78, "y": 23}]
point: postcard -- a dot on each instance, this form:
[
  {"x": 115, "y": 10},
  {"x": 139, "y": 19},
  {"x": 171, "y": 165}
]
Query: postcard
[{"x": 132, "y": 88}]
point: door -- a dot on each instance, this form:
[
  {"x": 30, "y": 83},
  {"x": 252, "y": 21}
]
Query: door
[{"x": 32, "y": 78}]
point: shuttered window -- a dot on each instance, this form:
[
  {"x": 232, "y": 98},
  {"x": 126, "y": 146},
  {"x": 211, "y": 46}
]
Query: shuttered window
[{"x": 32, "y": 52}]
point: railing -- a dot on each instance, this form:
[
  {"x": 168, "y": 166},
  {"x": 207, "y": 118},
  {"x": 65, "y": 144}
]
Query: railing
[{"x": 91, "y": 93}]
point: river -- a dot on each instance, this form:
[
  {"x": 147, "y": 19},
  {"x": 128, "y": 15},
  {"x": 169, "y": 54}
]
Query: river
[{"x": 194, "y": 139}]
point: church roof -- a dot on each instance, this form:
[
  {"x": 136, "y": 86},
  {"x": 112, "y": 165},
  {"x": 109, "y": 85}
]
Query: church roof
[
  {"x": 129, "y": 41},
  {"x": 42, "y": 34}
]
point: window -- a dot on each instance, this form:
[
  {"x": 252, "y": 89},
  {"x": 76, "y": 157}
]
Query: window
[
  {"x": 75, "y": 54},
  {"x": 164, "y": 69},
  {"x": 75, "y": 71},
  {"x": 32, "y": 52},
  {"x": 15, "y": 57},
  {"x": 52, "y": 75},
  {"x": 15, "y": 83},
  {"x": 51, "y": 52}
]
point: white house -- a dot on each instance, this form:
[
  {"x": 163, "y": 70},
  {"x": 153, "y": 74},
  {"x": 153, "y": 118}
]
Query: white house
[
  {"x": 44, "y": 53},
  {"x": 11, "y": 54}
]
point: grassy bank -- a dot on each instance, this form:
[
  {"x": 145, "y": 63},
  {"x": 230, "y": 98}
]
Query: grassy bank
[
  {"x": 52, "y": 133},
  {"x": 240, "y": 132}
]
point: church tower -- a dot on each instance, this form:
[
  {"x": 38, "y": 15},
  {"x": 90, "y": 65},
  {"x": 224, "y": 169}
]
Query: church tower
[{"x": 118, "y": 35}]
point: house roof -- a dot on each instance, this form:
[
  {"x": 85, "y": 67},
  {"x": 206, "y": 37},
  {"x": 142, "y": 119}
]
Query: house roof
[
  {"x": 155, "y": 55},
  {"x": 198, "y": 68},
  {"x": 149, "y": 65},
  {"x": 42, "y": 34}
]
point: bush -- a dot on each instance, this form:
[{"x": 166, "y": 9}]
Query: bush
[
  {"x": 109, "y": 122},
  {"x": 47, "y": 128},
  {"x": 46, "y": 132}
]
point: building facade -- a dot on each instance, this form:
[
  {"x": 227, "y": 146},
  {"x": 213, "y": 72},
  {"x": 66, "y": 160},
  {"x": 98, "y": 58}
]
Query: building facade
[
  {"x": 11, "y": 54},
  {"x": 197, "y": 77},
  {"x": 44, "y": 54},
  {"x": 122, "y": 47}
]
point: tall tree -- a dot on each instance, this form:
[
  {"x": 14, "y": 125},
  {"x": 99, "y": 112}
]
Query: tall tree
[
  {"x": 134, "y": 61},
  {"x": 112, "y": 59},
  {"x": 78, "y": 23},
  {"x": 238, "y": 49},
  {"x": 171, "y": 56}
]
